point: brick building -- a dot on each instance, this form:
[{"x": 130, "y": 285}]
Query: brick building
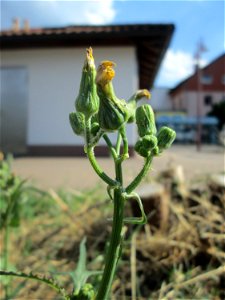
[{"x": 184, "y": 96}]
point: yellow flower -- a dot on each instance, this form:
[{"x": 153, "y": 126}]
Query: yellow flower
[
  {"x": 89, "y": 57},
  {"x": 105, "y": 72}
]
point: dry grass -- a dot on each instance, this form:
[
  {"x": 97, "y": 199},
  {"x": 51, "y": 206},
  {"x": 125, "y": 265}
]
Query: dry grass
[{"x": 184, "y": 260}]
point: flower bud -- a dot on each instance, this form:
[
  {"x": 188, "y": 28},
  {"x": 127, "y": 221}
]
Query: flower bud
[
  {"x": 145, "y": 120},
  {"x": 146, "y": 146},
  {"x": 77, "y": 122},
  {"x": 113, "y": 112},
  {"x": 87, "y": 101},
  {"x": 86, "y": 292},
  {"x": 140, "y": 149},
  {"x": 165, "y": 137},
  {"x": 149, "y": 142},
  {"x": 132, "y": 102}
]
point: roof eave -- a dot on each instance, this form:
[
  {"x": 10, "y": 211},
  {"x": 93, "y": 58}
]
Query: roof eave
[{"x": 150, "y": 40}]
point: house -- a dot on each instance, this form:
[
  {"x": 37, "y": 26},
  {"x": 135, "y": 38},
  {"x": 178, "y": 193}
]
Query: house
[
  {"x": 40, "y": 75},
  {"x": 185, "y": 96}
]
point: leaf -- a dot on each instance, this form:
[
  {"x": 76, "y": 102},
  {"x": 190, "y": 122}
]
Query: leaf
[
  {"x": 81, "y": 274},
  {"x": 134, "y": 220},
  {"x": 15, "y": 215},
  {"x": 49, "y": 281}
]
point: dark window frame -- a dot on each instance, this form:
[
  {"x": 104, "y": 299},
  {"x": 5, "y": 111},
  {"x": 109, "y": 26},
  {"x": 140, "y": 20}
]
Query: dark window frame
[{"x": 208, "y": 100}]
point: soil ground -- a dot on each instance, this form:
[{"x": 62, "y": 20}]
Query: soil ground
[{"x": 76, "y": 172}]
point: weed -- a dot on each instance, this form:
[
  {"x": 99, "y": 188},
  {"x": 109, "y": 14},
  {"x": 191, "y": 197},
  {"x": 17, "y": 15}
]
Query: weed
[{"x": 98, "y": 112}]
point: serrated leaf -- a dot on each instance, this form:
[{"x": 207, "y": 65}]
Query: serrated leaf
[
  {"x": 80, "y": 275},
  {"x": 49, "y": 281}
]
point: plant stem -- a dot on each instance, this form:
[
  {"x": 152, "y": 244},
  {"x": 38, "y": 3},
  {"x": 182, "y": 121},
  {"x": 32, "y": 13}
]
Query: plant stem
[
  {"x": 113, "y": 253},
  {"x": 49, "y": 281},
  {"x": 6, "y": 244},
  {"x": 140, "y": 176},
  {"x": 5, "y": 256},
  {"x": 114, "y": 249},
  {"x": 11, "y": 200},
  {"x": 118, "y": 143},
  {"x": 111, "y": 148},
  {"x": 98, "y": 170},
  {"x": 118, "y": 170},
  {"x": 125, "y": 142},
  {"x": 91, "y": 156}
]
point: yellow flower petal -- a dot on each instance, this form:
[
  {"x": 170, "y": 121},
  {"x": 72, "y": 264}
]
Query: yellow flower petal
[
  {"x": 105, "y": 72},
  {"x": 146, "y": 93}
]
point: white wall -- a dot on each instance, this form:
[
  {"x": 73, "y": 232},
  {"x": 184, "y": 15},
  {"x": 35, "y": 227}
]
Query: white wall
[
  {"x": 54, "y": 77},
  {"x": 160, "y": 99},
  {"x": 188, "y": 101},
  {"x": 191, "y": 101}
]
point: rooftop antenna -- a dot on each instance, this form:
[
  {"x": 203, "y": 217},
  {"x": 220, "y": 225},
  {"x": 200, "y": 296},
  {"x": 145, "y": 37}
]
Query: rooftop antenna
[{"x": 16, "y": 24}]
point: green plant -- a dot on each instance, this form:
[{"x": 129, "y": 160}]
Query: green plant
[
  {"x": 11, "y": 189},
  {"x": 81, "y": 289},
  {"x": 94, "y": 121},
  {"x": 19, "y": 201},
  {"x": 99, "y": 112}
]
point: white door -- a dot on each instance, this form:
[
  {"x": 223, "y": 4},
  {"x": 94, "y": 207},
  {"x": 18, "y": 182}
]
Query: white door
[{"x": 13, "y": 109}]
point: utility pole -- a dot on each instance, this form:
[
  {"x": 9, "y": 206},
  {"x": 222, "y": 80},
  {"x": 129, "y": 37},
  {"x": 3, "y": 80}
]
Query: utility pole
[
  {"x": 200, "y": 49},
  {"x": 199, "y": 108}
]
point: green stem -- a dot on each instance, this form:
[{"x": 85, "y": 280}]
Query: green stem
[
  {"x": 125, "y": 141},
  {"x": 140, "y": 176},
  {"x": 118, "y": 170},
  {"x": 113, "y": 253},
  {"x": 111, "y": 148},
  {"x": 114, "y": 250},
  {"x": 5, "y": 256},
  {"x": 88, "y": 131},
  {"x": 6, "y": 225},
  {"x": 6, "y": 247},
  {"x": 91, "y": 156},
  {"x": 98, "y": 170},
  {"x": 49, "y": 281},
  {"x": 118, "y": 143}
]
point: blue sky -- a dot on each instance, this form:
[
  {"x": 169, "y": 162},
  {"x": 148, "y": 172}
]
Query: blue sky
[{"x": 194, "y": 21}]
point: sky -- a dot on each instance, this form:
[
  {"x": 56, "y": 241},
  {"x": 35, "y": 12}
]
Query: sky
[{"x": 195, "y": 21}]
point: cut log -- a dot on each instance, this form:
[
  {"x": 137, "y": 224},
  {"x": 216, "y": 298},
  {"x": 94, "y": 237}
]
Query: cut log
[{"x": 155, "y": 201}]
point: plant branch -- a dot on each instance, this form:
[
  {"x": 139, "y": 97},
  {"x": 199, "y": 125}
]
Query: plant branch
[
  {"x": 140, "y": 176},
  {"x": 109, "y": 144},
  {"x": 91, "y": 156},
  {"x": 98, "y": 170},
  {"x": 118, "y": 143}
]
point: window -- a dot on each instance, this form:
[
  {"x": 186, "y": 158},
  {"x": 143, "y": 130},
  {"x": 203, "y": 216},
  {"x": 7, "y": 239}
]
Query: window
[
  {"x": 208, "y": 100},
  {"x": 206, "y": 79}
]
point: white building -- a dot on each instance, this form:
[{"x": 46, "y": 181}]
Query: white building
[
  {"x": 161, "y": 100},
  {"x": 40, "y": 76}
]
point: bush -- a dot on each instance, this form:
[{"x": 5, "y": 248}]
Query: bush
[{"x": 218, "y": 111}]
